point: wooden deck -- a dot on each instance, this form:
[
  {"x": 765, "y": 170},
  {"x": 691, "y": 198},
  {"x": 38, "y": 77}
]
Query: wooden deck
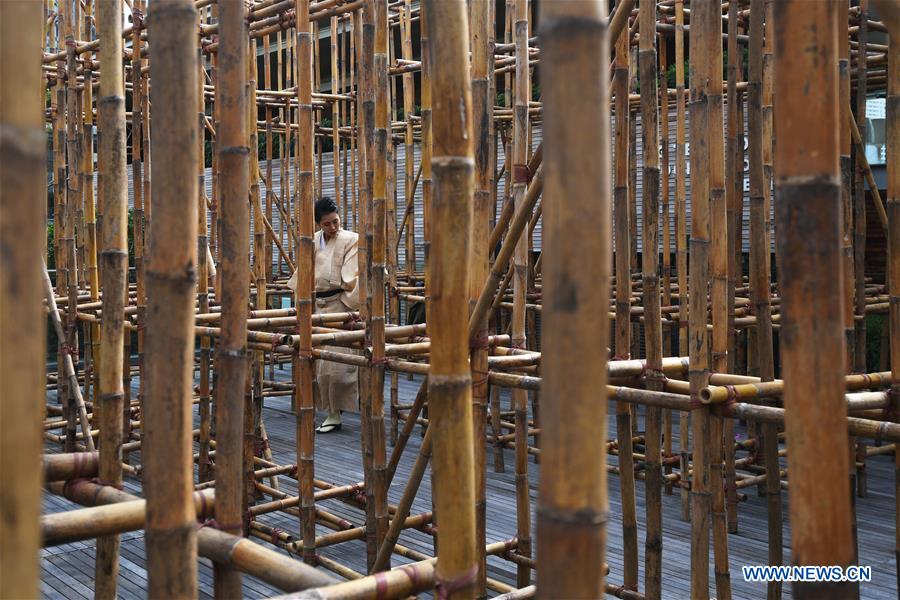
[{"x": 68, "y": 571}]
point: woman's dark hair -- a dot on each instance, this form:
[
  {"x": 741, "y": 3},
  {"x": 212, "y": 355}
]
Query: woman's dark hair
[{"x": 324, "y": 206}]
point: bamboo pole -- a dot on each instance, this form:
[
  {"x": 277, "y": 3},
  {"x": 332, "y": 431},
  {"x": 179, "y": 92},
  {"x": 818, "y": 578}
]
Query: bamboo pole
[
  {"x": 808, "y": 217},
  {"x": 368, "y": 106},
  {"x": 119, "y": 517},
  {"x": 233, "y": 160},
  {"x": 72, "y": 206},
  {"x": 303, "y": 214},
  {"x": 847, "y": 177},
  {"x": 859, "y": 201},
  {"x": 68, "y": 366},
  {"x": 137, "y": 168},
  {"x": 892, "y": 138},
  {"x": 655, "y": 378},
  {"x": 719, "y": 251},
  {"x": 167, "y": 443},
  {"x": 481, "y": 17},
  {"x": 114, "y": 272},
  {"x": 521, "y": 95},
  {"x": 623, "y": 305},
  {"x": 681, "y": 250},
  {"x": 376, "y": 316},
  {"x": 706, "y": 46},
  {"x": 92, "y": 334},
  {"x": 734, "y": 206},
  {"x": 23, "y": 151},
  {"x": 760, "y": 280},
  {"x": 449, "y": 380},
  {"x": 202, "y": 274},
  {"x": 572, "y": 511}
]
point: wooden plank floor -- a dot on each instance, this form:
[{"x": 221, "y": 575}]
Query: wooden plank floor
[{"x": 68, "y": 571}]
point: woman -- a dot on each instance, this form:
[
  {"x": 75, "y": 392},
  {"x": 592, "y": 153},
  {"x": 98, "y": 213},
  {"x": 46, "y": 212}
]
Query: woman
[{"x": 336, "y": 276}]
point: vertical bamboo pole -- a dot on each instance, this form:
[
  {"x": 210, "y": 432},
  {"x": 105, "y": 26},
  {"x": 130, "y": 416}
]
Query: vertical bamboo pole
[
  {"x": 336, "y": 116},
  {"x": 73, "y": 203},
  {"x": 354, "y": 137},
  {"x": 392, "y": 242},
  {"x": 202, "y": 275},
  {"x": 655, "y": 380},
  {"x": 808, "y": 229},
  {"x": 481, "y": 17},
  {"x": 375, "y": 323},
  {"x": 427, "y": 147},
  {"x": 408, "y": 107},
  {"x": 270, "y": 143},
  {"x": 167, "y": 445},
  {"x": 253, "y": 430},
  {"x": 214, "y": 216},
  {"x": 73, "y": 184},
  {"x": 843, "y": 44},
  {"x": 203, "y": 464},
  {"x": 283, "y": 149},
  {"x": 138, "y": 215},
  {"x": 449, "y": 380},
  {"x": 623, "y": 304},
  {"x": 681, "y": 250},
  {"x": 367, "y": 125},
  {"x": 573, "y": 505},
  {"x": 114, "y": 270},
  {"x": 317, "y": 83},
  {"x": 719, "y": 258},
  {"x": 734, "y": 200},
  {"x": 665, "y": 176},
  {"x": 90, "y": 214},
  {"x": 706, "y": 72},
  {"x": 892, "y": 138},
  {"x": 759, "y": 281},
  {"x": 522, "y": 94},
  {"x": 235, "y": 268},
  {"x": 859, "y": 197},
  {"x": 303, "y": 380},
  {"x": 23, "y": 151}
]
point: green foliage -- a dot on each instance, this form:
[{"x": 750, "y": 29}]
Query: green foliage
[
  {"x": 51, "y": 248},
  {"x": 876, "y": 325}
]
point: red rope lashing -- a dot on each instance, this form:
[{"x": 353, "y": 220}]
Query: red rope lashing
[
  {"x": 521, "y": 174},
  {"x": 446, "y": 587}
]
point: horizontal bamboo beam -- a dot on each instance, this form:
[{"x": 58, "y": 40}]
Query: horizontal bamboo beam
[{"x": 96, "y": 521}]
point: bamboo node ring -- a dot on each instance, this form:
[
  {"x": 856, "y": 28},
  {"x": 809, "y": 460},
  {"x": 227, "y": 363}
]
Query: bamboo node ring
[{"x": 446, "y": 587}]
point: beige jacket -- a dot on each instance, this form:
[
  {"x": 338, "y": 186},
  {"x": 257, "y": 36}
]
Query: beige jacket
[{"x": 337, "y": 266}]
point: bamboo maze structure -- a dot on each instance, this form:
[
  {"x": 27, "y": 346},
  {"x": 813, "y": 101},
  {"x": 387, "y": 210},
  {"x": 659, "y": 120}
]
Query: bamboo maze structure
[{"x": 629, "y": 280}]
